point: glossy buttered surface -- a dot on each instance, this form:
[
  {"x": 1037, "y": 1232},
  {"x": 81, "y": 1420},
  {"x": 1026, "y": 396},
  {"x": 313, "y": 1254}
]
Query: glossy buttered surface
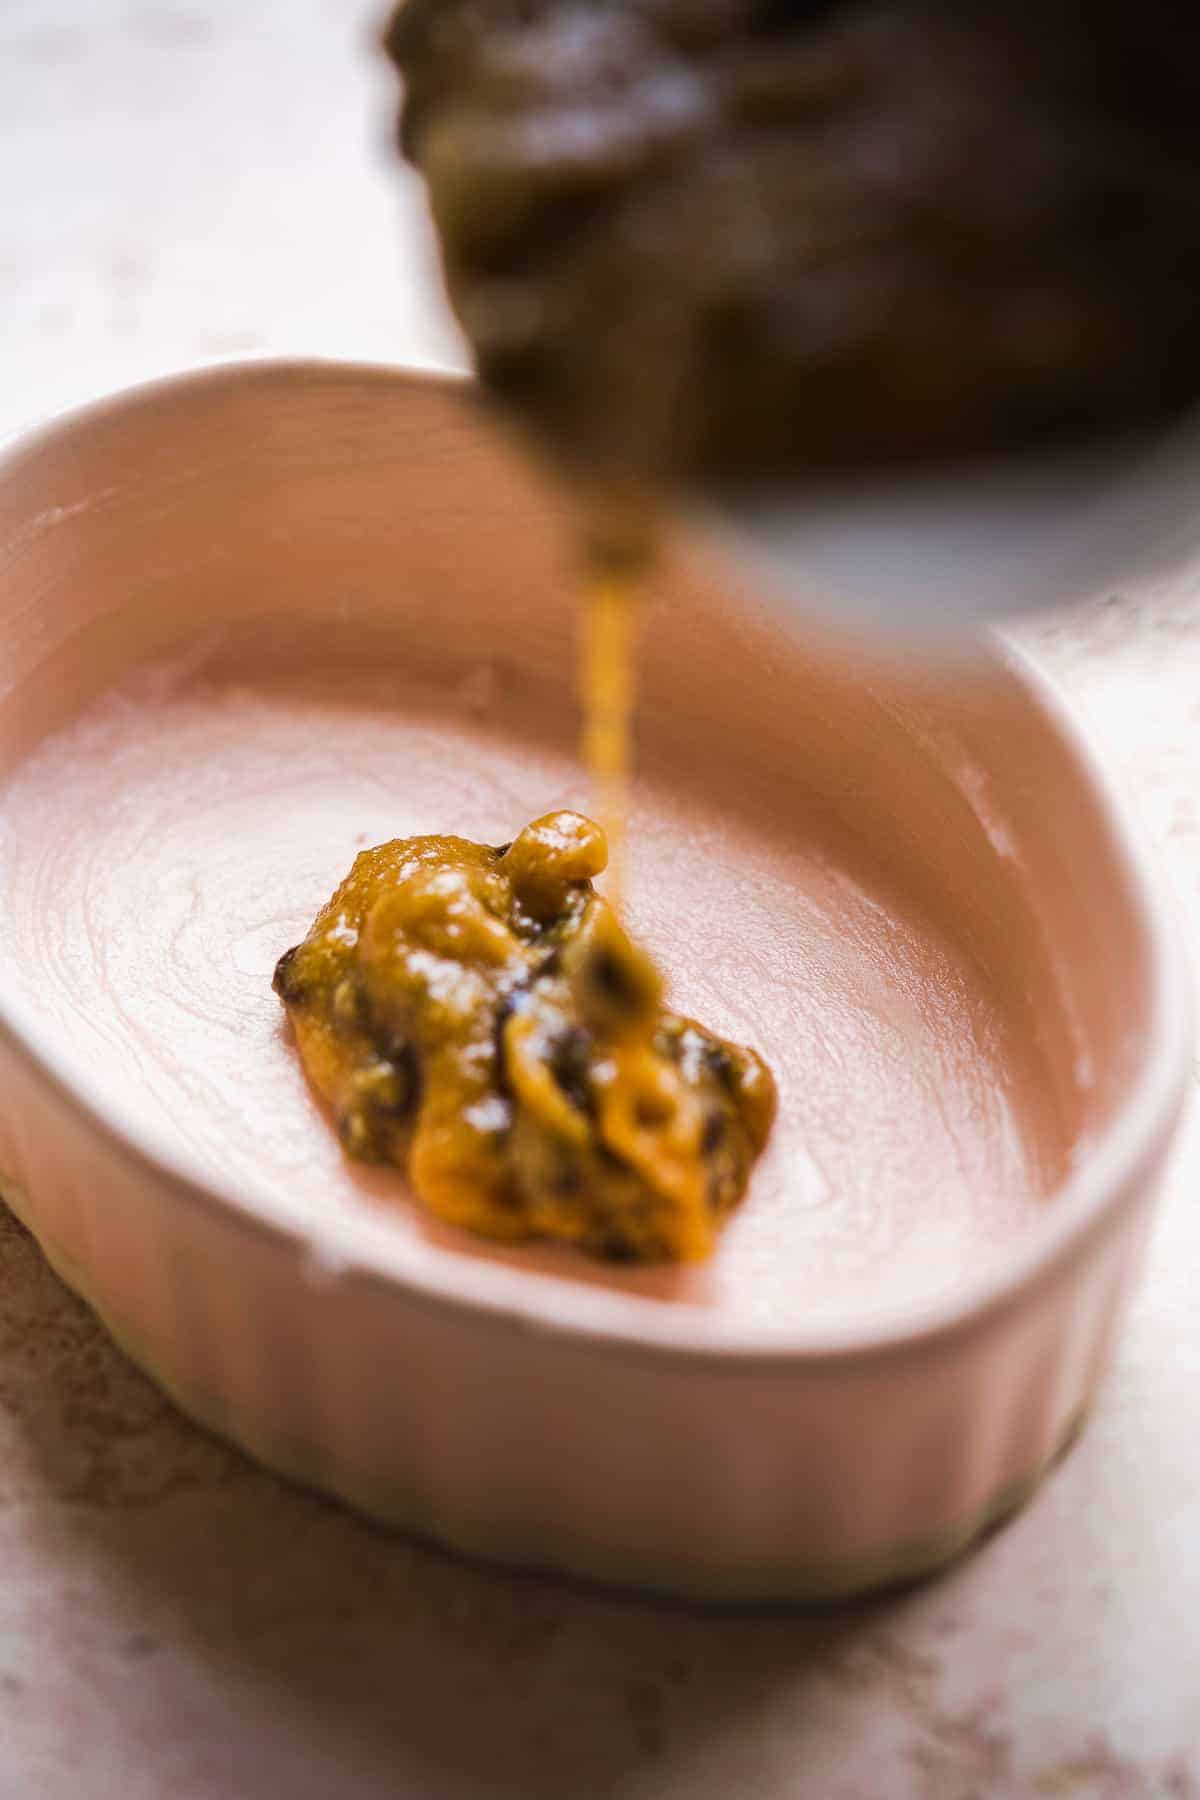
[{"x": 161, "y": 851}]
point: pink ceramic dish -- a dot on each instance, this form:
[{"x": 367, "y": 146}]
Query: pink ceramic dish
[{"x": 255, "y": 617}]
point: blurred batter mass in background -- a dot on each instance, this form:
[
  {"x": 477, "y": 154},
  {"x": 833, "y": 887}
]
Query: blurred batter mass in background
[{"x": 697, "y": 239}]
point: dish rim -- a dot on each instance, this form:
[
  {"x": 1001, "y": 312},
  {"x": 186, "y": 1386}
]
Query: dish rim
[{"x": 1100, "y": 1184}]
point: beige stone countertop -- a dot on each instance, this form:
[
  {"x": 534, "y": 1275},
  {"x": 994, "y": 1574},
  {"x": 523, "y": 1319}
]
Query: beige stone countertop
[{"x": 181, "y": 180}]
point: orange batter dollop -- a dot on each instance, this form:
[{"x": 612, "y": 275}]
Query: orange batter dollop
[{"x": 479, "y": 1017}]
